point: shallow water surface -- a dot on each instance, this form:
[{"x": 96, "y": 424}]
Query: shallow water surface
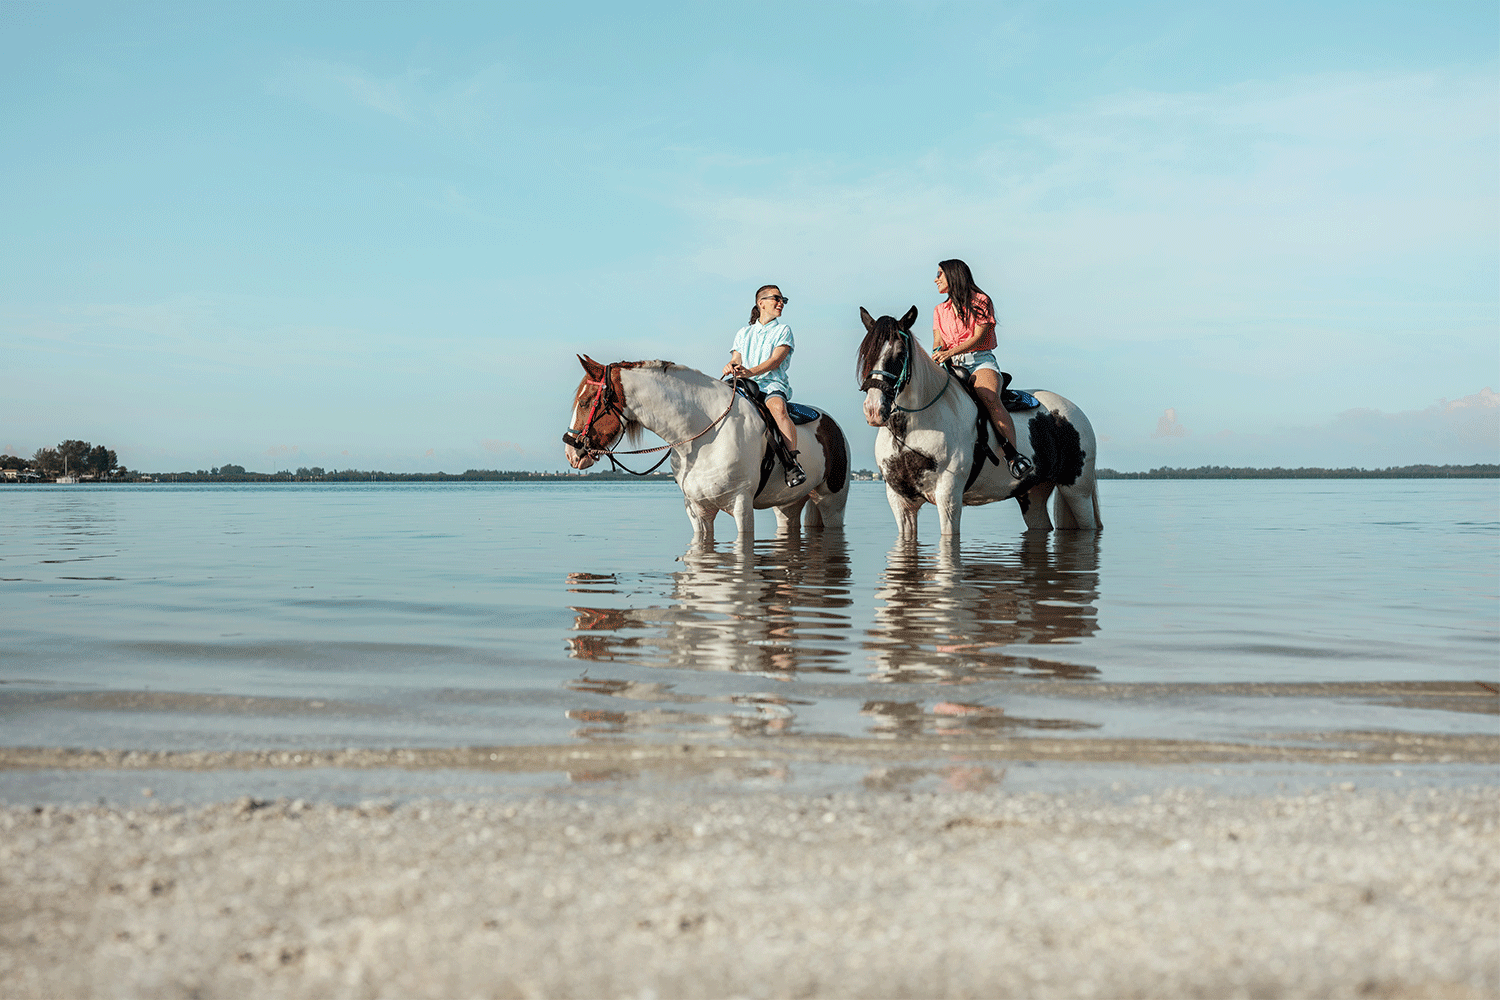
[{"x": 226, "y": 618}]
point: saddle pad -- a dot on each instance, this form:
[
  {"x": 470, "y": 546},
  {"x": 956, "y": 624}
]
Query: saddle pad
[
  {"x": 1016, "y": 400},
  {"x": 801, "y": 414}
]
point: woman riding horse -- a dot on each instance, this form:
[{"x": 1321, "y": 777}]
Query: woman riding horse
[
  {"x": 963, "y": 334},
  {"x": 762, "y": 352}
]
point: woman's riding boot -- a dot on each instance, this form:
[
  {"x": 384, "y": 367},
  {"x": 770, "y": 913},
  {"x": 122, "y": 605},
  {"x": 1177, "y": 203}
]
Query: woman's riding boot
[
  {"x": 794, "y": 475},
  {"x": 1020, "y": 465}
]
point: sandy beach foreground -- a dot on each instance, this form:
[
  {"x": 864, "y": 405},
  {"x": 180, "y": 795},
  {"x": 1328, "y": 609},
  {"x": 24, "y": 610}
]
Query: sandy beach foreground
[{"x": 1342, "y": 892}]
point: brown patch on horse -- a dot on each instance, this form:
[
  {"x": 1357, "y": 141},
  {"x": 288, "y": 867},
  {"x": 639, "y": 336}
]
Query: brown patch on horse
[
  {"x": 835, "y": 455},
  {"x": 905, "y": 473}
]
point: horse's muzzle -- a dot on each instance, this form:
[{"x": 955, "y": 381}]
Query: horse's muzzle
[{"x": 579, "y": 453}]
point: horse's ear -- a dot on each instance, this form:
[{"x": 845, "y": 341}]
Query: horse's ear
[
  {"x": 908, "y": 319},
  {"x": 867, "y": 319},
  {"x": 592, "y": 367}
]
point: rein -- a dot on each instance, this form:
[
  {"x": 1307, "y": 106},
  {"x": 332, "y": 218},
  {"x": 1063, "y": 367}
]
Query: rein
[
  {"x": 580, "y": 438},
  {"x": 905, "y": 376}
]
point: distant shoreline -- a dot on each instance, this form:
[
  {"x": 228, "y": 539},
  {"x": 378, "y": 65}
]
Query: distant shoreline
[{"x": 1482, "y": 471}]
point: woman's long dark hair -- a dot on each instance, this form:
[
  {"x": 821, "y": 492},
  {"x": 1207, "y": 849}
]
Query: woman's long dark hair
[
  {"x": 961, "y": 287},
  {"x": 755, "y": 309}
]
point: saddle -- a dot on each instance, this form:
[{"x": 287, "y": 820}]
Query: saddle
[
  {"x": 778, "y": 448},
  {"x": 1014, "y": 401}
]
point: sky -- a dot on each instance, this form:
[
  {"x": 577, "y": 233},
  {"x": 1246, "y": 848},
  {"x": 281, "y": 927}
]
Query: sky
[{"x": 375, "y": 236}]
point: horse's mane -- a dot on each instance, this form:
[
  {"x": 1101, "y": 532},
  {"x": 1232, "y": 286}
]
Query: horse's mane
[
  {"x": 885, "y": 329},
  {"x": 633, "y": 428}
]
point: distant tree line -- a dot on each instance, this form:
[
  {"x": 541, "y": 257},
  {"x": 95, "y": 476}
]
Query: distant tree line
[
  {"x": 315, "y": 474},
  {"x": 1313, "y": 472},
  {"x": 79, "y": 458}
]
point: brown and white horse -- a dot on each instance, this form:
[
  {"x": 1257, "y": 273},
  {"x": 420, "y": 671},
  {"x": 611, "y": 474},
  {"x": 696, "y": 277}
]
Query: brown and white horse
[
  {"x": 717, "y": 440},
  {"x": 936, "y": 444}
]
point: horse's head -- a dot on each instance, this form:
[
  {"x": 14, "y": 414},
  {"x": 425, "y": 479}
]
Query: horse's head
[
  {"x": 600, "y": 413},
  {"x": 885, "y": 360}
]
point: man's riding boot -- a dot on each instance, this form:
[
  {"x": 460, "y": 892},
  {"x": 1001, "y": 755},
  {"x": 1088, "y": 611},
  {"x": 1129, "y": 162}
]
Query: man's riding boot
[{"x": 794, "y": 475}]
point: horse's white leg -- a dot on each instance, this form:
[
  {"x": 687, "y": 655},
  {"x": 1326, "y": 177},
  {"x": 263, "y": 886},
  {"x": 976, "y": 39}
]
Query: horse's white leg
[
  {"x": 1035, "y": 508},
  {"x": 950, "y": 504},
  {"x": 789, "y": 517},
  {"x": 743, "y": 509},
  {"x": 702, "y": 518},
  {"x": 906, "y": 513},
  {"x": 1077, "y": 508},
  {"x": 814, "y": 518},
  {"x": 827, "y": 510}
]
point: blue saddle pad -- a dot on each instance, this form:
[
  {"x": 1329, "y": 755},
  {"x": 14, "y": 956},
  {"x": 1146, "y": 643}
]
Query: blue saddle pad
[
  {"x": 1016, "y": 400},
  {"x": 799, "y": 412},
  {"x": 802, "y": 414}
]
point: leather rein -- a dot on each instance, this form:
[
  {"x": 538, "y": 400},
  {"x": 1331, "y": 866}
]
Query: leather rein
[
  {"x": 605, "y": 402},
  {"x": 894, "y": 382}
]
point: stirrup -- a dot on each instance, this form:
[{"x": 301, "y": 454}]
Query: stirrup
[
  {"x": 794, "y": 475},
  {"x": 1021, "y": 467}
]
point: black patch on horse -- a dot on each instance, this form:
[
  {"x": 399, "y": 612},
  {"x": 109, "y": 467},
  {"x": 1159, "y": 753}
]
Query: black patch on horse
[
  {"x": 1057, "y": 450},
  {"x": 904, "y": 473},
  {"x": 835, "y": 457}
]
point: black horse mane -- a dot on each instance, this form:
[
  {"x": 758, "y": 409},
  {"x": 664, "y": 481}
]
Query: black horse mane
[{"x": 884, "y": 330}]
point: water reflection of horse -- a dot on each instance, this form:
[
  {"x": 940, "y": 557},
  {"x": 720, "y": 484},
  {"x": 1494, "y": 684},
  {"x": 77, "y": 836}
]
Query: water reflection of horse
[
  {"x": 718, "y": 442},
  {"x": 945, "y": 617},
  {"x": 934, "y": 444},
  {"x": 776, "y": 608}
]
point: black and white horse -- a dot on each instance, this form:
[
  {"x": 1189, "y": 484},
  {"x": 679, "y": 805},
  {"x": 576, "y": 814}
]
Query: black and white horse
[{"x": 936, "y": 443}]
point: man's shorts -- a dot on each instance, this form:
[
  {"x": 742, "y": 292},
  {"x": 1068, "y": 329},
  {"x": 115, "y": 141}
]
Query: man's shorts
[{"x": 774, "y": 383}]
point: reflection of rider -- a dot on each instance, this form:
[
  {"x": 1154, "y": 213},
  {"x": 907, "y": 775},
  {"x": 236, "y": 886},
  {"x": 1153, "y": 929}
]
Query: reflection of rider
[
  {"x": 963, "y": 332},
  {"x": 762, "y": 352}
]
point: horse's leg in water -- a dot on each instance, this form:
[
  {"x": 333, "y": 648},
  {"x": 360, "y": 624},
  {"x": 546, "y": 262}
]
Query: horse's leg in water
[
  {"x": 789, "y": 517},
  {"x": 1035, "y": 508},
  {"x": 743, "y": 510},
  {"x": 949, "y": 500},
  {"x": 702, "y": 518},
  {"x": 1077, "y": 508},
  {"x": 905, "y": 511}
]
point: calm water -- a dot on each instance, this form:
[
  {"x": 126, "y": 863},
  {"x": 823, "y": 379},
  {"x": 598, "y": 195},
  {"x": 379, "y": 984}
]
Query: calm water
[{"x": 330, "y": 616}]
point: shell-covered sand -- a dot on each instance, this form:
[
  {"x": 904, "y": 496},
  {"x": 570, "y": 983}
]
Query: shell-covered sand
[{"x": 1342, "y": 892}]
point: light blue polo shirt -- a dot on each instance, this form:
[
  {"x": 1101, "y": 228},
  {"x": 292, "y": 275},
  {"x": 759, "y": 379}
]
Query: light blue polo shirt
[{"x": 755, "y": 344}]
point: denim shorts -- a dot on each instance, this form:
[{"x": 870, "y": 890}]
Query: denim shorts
[{"x": 975, "y": 360}]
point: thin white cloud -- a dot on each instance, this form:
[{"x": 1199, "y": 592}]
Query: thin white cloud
[
  {"x": 334, "y": 86},
  {"x": 1174, "y": 205},
  {"x": 464, "y": 105},
  {"x": 1463, "y": 431}
]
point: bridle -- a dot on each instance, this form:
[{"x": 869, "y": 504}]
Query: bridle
[
  {"x": 891, "y": 383},
  {"x": 605, "y": 402}
]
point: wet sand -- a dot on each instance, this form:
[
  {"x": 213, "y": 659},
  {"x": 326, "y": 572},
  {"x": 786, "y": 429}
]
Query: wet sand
[{"x": 1339, "y": 892}]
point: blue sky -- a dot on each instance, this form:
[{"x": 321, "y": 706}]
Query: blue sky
[{"x": 374, "y": 235}]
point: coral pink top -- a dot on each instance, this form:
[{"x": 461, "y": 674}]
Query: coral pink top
[{"x": 951, "y": 332}]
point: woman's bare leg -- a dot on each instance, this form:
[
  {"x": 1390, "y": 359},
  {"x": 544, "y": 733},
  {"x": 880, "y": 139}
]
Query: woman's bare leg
[{"x": 988, "y": 385}]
